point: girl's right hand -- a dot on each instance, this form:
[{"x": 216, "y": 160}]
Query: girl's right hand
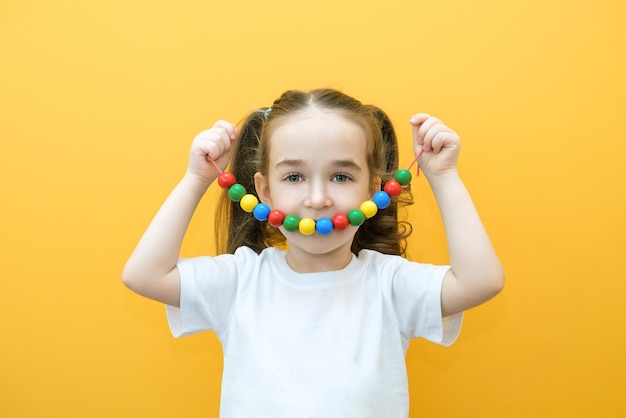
[{"x": 215, "y": 143}]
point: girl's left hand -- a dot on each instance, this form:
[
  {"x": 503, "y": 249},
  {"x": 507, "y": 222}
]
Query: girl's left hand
[{"x": 441, "y": 145}]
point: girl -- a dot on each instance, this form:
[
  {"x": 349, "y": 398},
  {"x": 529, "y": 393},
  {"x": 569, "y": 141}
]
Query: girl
[{"x": 315, "y": 309}]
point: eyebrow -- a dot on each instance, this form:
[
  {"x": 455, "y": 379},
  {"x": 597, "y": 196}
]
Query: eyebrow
[{"x": 335, "y": 163}]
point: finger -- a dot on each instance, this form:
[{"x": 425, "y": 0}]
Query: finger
[
  {"x": 433, "y": 130},
  {"x": 445, "y": 139},
  {"x": 220, "y": 145},
  {"x": 230, "y": 129},
  {"x": 213, "y": 142},
  {"x": 213, "y": 135},
  {"x": 418, "y": 119},
  {"x": 439, "y": 141},
  {"x": 425, "y": 132},
  {"x": 416, "y": 122}
]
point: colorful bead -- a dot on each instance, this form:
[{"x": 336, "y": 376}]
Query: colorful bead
[
  {"x": 275, "y": 218},
  {"x": 306, "y": 226},
  {"x": 236, "y": 192},
  {"x": 356, "y": 217},
  {"x": 340, "y": 221},
  {"x": 393, "y": 188},
  {"x": 403, "y": 177},
  {"x": 261, "y": 212},
  {"x": 290, "y": 223},
  {"x": 382, "y": 199},
  {"x": 324, "y": 226},
  {"x": 368, "y": 208},
  {"x": 248, "y": 202},
  {"x": 226, "y": 179}
]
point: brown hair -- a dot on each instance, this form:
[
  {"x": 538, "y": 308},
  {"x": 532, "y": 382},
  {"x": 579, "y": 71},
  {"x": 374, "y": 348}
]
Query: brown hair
[{"x": 383, "y": 232}]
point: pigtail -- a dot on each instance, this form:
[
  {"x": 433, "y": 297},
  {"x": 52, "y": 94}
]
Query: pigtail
[
  {"x": 235, "y": 227},
  {"x": 383, "y": 232}
]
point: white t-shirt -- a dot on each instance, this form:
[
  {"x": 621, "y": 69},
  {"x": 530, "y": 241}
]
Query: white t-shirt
[{"x": 328, "y": 344}]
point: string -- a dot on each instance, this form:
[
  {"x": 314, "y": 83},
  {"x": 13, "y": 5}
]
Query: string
[
  {"x": 419, "y": 154},
  {"x": 212, "y": 161}
]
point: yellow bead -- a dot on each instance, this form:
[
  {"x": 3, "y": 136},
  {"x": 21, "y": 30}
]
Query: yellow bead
[
  {"x": 248, "y": 202},
  {"x": 306, "y": 226},
  {"x": 368, "y": 208}
]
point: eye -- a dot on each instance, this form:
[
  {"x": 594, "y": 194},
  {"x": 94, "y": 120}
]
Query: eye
[
  {"x": 341, "y": 178},
  {"x": 293, "y": 178}
]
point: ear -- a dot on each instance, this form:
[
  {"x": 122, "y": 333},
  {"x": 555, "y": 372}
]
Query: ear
[
  {"x": 262, "y": 188},
  {"x": 376, "y": 183}
]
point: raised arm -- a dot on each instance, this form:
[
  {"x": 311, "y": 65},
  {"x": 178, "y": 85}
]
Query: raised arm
[
  {"x": 476, "y": 274},
  {"x": 151, "y": 269}
]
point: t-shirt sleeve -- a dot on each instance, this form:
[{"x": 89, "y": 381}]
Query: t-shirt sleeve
[
  {"x": 208, "y": 286},
  {"x": 417, "y": 300}
]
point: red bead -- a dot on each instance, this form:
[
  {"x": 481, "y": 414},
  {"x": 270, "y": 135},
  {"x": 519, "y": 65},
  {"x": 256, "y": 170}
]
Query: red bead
[
  {"x": 226, "y": 179},
  {"x": 393, "y": 188},
  {"x": 340, "y": 221},
  {"x": 275, "y": 218}
]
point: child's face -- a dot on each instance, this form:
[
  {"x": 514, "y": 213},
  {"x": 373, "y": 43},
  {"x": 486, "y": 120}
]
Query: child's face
[{"x": 317, "y": 168}]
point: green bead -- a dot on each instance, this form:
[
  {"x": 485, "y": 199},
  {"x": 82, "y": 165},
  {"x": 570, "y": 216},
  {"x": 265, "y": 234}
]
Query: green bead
[
  {"x": 356, "y": 217},
  {"x": 291, "y": 223},
  {"x": 236, "y": 192},
  {"x": 403, "y": 177}
]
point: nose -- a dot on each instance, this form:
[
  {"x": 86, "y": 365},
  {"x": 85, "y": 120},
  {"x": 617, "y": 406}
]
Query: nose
[{"x": 318, "y": 197}]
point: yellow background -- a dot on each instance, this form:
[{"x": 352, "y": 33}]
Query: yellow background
[{"x": 99, "y": 102}]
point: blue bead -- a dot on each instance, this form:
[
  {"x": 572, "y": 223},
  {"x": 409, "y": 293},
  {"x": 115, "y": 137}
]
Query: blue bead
[
  {"x": 381, "y": 199},
  {"x": 324, "y": 226},
  {"x": 261, "y": 211}
]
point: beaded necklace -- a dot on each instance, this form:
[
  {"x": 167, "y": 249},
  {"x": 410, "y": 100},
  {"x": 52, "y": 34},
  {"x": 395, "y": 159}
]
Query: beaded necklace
[{"x": 308, "y": 226}]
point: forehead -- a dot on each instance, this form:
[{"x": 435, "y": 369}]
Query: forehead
[{"x": 320, "y": 136}]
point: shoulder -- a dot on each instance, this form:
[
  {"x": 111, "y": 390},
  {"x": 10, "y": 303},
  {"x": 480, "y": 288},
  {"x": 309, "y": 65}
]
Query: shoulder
[
  {"x": 251, "y": 265},
  {"x": 244, "y": 258},
  {"x": 225, "y": 274},
  {"x": 393, "y": 267},
  {"x": 373, "y": 255},
  {"x": 381, "y": 262}
]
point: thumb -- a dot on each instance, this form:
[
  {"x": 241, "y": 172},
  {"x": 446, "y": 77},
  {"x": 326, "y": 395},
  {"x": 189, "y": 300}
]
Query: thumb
[{"x": 416, "y": 122}]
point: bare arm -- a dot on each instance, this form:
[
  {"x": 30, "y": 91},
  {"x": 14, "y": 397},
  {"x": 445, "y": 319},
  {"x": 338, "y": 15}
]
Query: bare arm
[
  {"x": 151, "y": 269},
  {"x": 476, "y": 274}
]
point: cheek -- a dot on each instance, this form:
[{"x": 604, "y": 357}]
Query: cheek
[
  {"x": 280, "y": 199},
  {"x": 289, "y": 206},
  {"x": 351, "y": 199}
]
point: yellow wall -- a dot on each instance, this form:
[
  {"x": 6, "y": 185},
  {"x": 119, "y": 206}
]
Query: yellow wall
[{"x": 100, "y": 100}]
